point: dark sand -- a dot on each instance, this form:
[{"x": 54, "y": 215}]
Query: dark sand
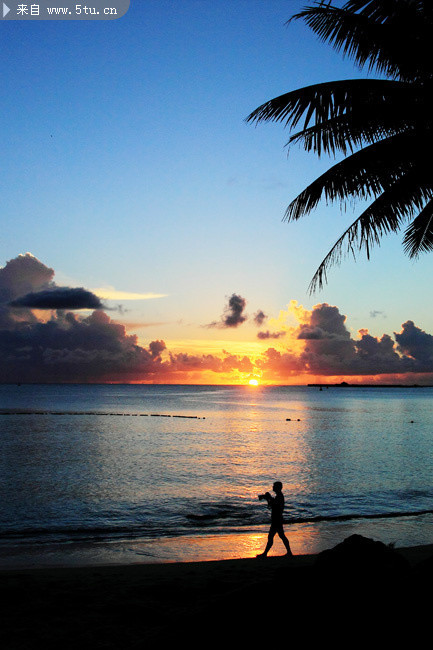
[{"x": 232, "y": 602}]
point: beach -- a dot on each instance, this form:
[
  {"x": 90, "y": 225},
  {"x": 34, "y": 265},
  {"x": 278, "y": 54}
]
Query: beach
[{"x": 244, "y": 600}]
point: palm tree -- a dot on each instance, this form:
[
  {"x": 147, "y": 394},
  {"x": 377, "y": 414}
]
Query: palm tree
[{"x": 383, "y": 126}]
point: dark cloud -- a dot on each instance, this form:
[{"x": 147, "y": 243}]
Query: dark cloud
[
  {"x": 327, "y": 319},
  {"x": 307, "y": 332},
  {"x": 416, "y": 346},
  {"x": 21, "y": 275},
  {"x": 59, "y": 298},
  {"x": 270, "y": 335},
  {"x": 69, "y": 348},
  {"x": 233, "y": 314},
  {"x": 259, "y": 318},
  {"x": 72, "y": 348},
  {"x": 375, "y": 313},
  {"x": 329, "y": 350},
  {"x": 157, "y": 348}
]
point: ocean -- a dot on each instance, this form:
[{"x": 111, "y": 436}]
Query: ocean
[{"x": 93, "y": 474}]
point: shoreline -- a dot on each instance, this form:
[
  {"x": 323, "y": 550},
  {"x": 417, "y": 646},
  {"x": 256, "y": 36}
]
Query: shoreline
[
  {"x": 413, "y": 554},
  {"x": 306, "y": 539},
  {"x": 123, "y": 606}
]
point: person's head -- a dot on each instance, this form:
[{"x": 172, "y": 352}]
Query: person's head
[{"x": 277, "y": 486}]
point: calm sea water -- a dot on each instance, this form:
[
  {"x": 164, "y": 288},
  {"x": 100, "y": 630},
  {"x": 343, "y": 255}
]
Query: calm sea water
[{"x": 141, "y": 466}]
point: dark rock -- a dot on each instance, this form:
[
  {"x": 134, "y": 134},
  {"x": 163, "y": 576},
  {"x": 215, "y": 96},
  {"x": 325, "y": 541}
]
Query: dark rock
[{"x": 363, "y": 556}]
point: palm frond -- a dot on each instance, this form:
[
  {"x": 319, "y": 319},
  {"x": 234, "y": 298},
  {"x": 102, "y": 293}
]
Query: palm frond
[
  {"x": 326, "y": 101},
  {"x": 344, "y": 114},
  {"x": 356, "y": 35},
  {"x": 386, "y": 214},
  {"x": 366, "y": 173},
  {"x": 371, "y": 33},
  {"x": 419, "y": 234},
  {"x": 346, "y": 133}
]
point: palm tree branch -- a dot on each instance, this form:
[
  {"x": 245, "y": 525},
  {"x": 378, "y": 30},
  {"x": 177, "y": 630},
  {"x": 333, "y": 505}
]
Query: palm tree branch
[
  {"x": 419, "y": 234},
  {"x": 345, "y": 133},
  {"x": 368, "y": 172},
  {"x": 357, "y": 35},
  {"x": 328, "y": 100},
  {"x": 356, "y": 100},
  {"x": 383, "y": 216},
  {"x": 371, "y": 33}
]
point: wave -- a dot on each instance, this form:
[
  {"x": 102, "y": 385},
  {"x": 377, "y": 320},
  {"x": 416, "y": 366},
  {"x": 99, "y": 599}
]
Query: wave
[
  {"x": 221, "y": 521},
  {"x": 223, "y": 514},
  {"x": 348, "y": 517}
]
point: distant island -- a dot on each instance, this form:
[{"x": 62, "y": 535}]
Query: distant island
[{"x": 344, "y": 384}]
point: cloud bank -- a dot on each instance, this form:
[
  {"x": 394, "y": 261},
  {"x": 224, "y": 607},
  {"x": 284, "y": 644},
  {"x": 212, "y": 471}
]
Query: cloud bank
[
  {"x": 60, "y": 345},
  {"x": 329, "y": 350},
  {"x": 72, "y": 348}
]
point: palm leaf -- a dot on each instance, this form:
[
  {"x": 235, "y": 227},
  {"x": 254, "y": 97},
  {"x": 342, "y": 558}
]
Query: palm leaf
[
  {"x": 345, "y": 114},
  {"x": 364, "y": 174},
  {"x": 419, "y": 234},
  {"x": 357, "y": 35},
  {"x": 386, "y": 214},
  {"x": 349, "y": 132},
  {"x": 326, "y": 101},
  {"x": 372, "y": 33}
]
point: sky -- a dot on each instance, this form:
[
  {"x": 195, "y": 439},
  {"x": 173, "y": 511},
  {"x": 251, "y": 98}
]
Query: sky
[{"x": 142, "y": 234}]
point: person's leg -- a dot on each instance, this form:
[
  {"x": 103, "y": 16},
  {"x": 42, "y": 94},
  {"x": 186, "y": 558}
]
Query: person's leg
[
  {"x": 285, "y": 540},
  {"x": 271, "y": 536}
]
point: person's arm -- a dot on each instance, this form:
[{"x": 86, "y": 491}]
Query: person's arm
[{"x": 268, "y": 498}]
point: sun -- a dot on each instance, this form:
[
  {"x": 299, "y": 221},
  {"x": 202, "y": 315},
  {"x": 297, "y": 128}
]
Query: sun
[{"x": 253, "y": 382}]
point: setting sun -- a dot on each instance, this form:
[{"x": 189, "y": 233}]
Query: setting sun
[{"x": 253, "y": 382}]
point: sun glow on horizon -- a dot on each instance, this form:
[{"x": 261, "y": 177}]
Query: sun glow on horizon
[{"x": 253, "y": 382}]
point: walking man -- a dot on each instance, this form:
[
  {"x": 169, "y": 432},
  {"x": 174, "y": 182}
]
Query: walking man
[{"x": 276, "y": 504}]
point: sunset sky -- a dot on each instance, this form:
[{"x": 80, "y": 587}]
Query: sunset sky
[{"x": 142, "y": 234}]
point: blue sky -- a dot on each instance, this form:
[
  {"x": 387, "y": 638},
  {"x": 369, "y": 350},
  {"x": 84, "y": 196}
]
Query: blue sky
[{"x": 127, "y": 163}]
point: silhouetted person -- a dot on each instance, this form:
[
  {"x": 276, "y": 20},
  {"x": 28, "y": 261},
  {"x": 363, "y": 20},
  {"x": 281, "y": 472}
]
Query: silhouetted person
[{"x": 276, "y": 504}]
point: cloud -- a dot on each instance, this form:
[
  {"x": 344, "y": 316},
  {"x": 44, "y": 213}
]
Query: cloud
[
  {"x": 21, "y": 275},
  {"x": 233, "y": 315},
  {"x": 311, "y": 333},
  {"x": 330, "y": 351},
  {"x": 270, "y": 335},
  {"x": 59, "y": 298},
  {"x": 72, "y": 348},
  {"x": 374, "y": 313},
  {"x": 416, "y": 347},
  {"x": 259, "y": 318},
  {"x": 65, "y": 346},
  {"x": 109, "y": 293}
]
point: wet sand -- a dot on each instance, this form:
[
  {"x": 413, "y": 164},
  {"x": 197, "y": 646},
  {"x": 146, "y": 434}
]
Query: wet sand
[{"x": 242, "y": 601}]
